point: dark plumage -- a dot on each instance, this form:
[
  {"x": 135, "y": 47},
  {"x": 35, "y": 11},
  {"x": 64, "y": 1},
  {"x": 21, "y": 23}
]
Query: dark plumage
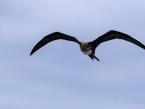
[
  {"x": 87, "y": 48},
  {"x": 52, "y": 37}
]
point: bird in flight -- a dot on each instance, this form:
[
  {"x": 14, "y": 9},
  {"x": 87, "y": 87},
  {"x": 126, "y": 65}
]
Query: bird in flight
[{"x": 88, "y": 48}]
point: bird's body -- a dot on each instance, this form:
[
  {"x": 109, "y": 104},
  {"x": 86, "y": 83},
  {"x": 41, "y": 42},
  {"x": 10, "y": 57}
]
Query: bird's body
[
  {"x": 85, "y": 48},
  {"x": 88, "y": 48}
]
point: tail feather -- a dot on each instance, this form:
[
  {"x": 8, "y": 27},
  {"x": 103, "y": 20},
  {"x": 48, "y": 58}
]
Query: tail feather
[
  {"x": 94, "y": 57},
  {"x": 91, "y": 57}
]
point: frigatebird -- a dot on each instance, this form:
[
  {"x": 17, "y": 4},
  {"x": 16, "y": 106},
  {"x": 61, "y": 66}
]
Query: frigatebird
[{"x": 88, "y": 48}]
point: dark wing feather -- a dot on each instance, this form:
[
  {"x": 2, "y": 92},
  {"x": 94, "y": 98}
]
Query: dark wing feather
[
  {"x": 115, "y": 35},
  {"x": 52, "y": 37}
]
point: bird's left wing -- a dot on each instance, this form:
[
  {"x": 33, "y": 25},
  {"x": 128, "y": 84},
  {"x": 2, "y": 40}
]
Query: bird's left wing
[
  {"x": 51, "y": 37},
  {"x": 115, "y": 35}
]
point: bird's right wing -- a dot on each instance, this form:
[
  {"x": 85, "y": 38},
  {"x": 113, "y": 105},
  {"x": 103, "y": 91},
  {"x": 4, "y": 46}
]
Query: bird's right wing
[
  {"x": 115, "y": 35},
  {"x": 51, "y": 37}
]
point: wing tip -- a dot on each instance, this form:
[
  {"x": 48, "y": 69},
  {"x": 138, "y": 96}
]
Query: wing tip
[{"x": 32, "y": 52}]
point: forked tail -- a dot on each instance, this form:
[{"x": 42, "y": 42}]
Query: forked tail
[{"x": 94, "y": 57}]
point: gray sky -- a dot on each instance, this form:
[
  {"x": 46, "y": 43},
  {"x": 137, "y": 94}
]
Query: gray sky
[{"x": 59, "y": 76}]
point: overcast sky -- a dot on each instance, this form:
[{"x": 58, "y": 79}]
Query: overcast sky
[{"x": 59, "y": 76}]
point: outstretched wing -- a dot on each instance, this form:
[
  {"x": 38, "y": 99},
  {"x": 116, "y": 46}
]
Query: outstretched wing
[
  {"x": 51, "y": 37},
  {"x": 115, "y": 35}
]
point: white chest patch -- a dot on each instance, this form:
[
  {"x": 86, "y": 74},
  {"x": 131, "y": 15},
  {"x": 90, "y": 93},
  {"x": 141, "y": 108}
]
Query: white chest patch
[{"x": 87, "y": 52}]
